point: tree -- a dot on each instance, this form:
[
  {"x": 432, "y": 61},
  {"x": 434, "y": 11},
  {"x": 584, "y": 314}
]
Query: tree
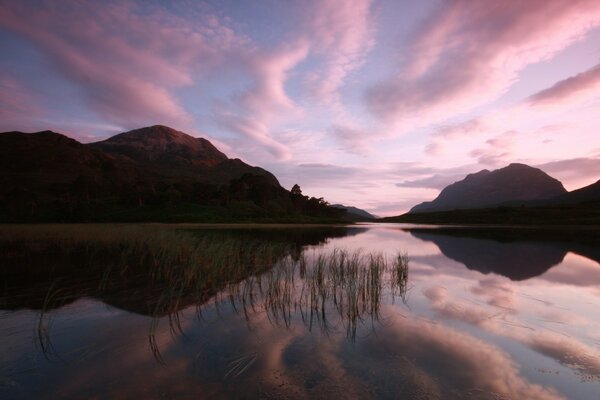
[{"x": 296, "y": 190}]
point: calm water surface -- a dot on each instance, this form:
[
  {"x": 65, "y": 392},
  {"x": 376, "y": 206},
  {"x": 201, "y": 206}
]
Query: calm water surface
[{"x": 487, "y": 314}]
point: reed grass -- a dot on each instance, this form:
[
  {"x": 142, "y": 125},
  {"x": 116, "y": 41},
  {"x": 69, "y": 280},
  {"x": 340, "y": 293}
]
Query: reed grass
[{"x": 176, "y": 268}]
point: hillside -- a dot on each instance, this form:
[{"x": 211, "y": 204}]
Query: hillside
[
  {"x": 354, "y": 213},
  {"x": 148, "y": 174},
  {"x": 514, "y": 183},
  {"x": 509, "y": 203}
]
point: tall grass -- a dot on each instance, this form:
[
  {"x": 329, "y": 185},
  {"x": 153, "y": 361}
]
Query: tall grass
[
  {"x": 325, "y": 289},
  {"x": 158, "y": 270}
]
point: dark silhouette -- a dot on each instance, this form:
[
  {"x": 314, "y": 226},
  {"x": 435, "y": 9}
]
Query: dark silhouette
[
  {"x": 514, "y": 183},
  {"x": 518, "y": 254},
  {"x": 149, "y": 174}
]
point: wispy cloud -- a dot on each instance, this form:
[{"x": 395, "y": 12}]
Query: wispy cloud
[
  {"x": 587, "y": 82},
  {"x": 342, "y": 33},
  {"x": 469, "y": 53}
]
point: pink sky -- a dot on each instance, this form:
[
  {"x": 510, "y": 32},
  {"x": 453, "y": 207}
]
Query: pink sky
[{"x": 376, "y": 104}]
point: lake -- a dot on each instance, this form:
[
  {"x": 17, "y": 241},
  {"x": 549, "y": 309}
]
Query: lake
[{"x": 363, "y": 311}]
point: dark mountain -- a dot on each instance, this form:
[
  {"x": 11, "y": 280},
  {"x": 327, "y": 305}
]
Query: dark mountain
[
  {"x": 44, "y": 166},
  {"x": 585, "y": 194},
  {"x": 148, "y": 174},
  {"x": 512, "y": 184},
  {"x": 355, "y": 213},
  {"x": 162, "y": 145},
  {"x": 168, "y": 152},
  {"x": 518, "y": 254}
]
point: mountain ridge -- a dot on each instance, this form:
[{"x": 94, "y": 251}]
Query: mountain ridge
[
  {"x": 149, "y": 174},
  {"x": 513, "y": 183}
]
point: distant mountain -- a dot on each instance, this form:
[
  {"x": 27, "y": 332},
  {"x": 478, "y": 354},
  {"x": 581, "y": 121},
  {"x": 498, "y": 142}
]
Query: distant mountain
[
  {"x": 356, "y": 213},
  {"x": 512, "y": 184},
  {"x": 148, "y": 174},
  {"x": 518, "y": 254},
  {"x": 585, "y": 194}
]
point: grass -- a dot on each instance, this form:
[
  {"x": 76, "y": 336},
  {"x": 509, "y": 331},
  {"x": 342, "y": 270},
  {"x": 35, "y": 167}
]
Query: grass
[
  {"x": 158, "y": 270},
  {"x": 325, "y": 289}
]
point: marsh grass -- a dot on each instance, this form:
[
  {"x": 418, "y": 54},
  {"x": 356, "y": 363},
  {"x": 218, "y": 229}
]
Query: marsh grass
[
  {"x": 324, "y": 290},
  {"x": 157, "y": 270}
]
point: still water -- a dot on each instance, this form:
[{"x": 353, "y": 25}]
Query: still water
[{"x": 484, "y": 314}]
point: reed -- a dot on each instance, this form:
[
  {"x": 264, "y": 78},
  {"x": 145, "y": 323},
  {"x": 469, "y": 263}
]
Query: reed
[{"x": 158, "y": 270}]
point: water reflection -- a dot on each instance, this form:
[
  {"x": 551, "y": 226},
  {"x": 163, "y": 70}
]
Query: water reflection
[
  {"x": 518, "y": 254},
  {"x": 336, "y": 317},
  {"x": 120, "y": 274}
]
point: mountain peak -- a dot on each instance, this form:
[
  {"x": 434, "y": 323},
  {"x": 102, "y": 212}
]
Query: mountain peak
[
  {"x": 162, "y": 144},
  {"x": 513, "y": 183}
]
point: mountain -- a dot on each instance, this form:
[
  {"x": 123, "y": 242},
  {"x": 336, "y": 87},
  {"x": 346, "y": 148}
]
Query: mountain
[
  {"x": 148, "y": 174},
  {"x": 518, "y": 254},
  {"x": 171, "y": 153},
  {"x": 515, "y": 183},
  {"x": 43, "y": 165},
  {"x": 355, "y": 213},
  {"x": 164, "y": 145},
  {"x": 585, "y": 194}
]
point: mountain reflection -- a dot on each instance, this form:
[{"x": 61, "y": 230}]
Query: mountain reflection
[
  {"x": 41, "y": 274},
  {"x": 517, "y": 254}
]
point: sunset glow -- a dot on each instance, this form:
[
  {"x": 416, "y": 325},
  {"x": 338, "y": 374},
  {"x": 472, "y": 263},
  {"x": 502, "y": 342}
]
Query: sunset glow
[{"x": 377, "y": 104}]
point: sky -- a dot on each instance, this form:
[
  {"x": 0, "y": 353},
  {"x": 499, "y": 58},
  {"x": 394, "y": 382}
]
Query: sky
[{"x": 375, "y": 104}]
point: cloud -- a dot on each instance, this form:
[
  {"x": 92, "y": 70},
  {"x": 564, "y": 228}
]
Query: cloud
[
  {"x": 469, "y": 53},
  {"x": 256, "y": 130},
  {"x": 482, "y": 365},
  {"x": 266, "y": 97},
  {"x": 497, "y": 150},
  {"x": 580, "y": 171},
  {"x": 466, "y": 128},
  {"x": 353, "y": 140},
  {"x": 126, "y": 60},
  {"x": 584, "y": 82},
  {"x": 256, "y": 111},
  {"x": 499, "y": 293},
  {"x": 432, "y": 182},
  {"x": 568, "y": 352},
  {"x": 459, "y": 311},
  {"x": 17, "y": 105},
  {"x": 342, "y": 33},
  {"x": 437, "y": 178}
]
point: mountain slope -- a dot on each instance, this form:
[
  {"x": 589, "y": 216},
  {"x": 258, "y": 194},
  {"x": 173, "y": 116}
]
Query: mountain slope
[
  {"x": 48, "y": 164},
  {"x": 581, "y": 195},
  {"x": 161, "y": 144},
  {"x": 354, "y": 212},
  {"x": 171, "y": 153},
  {"x": 149, "y": 174},
  {"x": 514, "y": 183}
]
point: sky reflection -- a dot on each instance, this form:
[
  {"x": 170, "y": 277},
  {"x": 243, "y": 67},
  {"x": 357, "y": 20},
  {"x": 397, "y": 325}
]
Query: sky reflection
[{"x": 463, "y": 332}]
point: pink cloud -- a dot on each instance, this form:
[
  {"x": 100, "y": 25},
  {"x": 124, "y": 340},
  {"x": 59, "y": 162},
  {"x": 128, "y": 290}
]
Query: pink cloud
[
  {"x": 342, "y": 32},
  {"x": 497, "y": 150},
  {"x": 256, "y": 112},
  {"x": 588, "y": 81},
  {"x": 352, "y": 139},
  {"x": 435, "y": 181},
  {"x": 447, "y": 133},
  {"x": 577, "y": 172},
  {"x": 469, "y": 53},
  {"x": 256, "y": 130},
  {"x": 483, "y": 366},
  {"x": 125, "y": 61},
  {"x": 17, "y": 104},
  {"x": 267, "y": 96}
]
